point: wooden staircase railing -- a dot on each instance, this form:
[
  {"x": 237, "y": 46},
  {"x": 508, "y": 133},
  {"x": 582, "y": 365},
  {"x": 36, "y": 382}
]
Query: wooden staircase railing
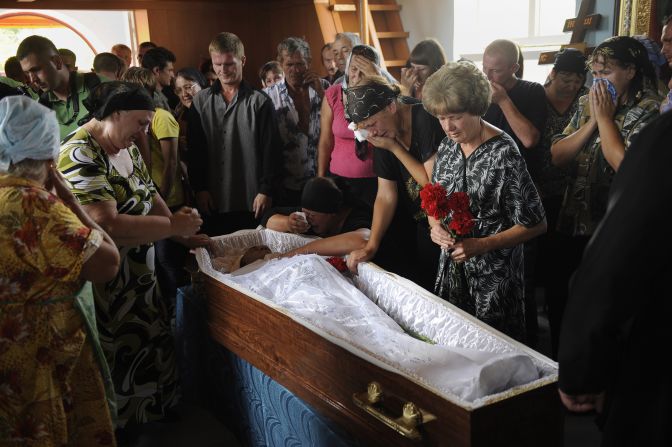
[{"x": 385, "y": 29}]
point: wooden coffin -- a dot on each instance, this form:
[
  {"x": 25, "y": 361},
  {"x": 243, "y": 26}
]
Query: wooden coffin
[{"x": 376, "y": 405}]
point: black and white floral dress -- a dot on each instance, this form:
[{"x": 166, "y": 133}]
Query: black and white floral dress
[{"x": 501, "y": 194}]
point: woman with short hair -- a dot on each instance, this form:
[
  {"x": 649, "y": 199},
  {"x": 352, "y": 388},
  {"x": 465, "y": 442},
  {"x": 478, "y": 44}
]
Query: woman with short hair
[{"x": 482, "y": 273}]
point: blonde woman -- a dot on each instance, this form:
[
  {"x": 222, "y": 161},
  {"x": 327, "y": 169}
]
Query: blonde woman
[{"x": 482, "y": 273}]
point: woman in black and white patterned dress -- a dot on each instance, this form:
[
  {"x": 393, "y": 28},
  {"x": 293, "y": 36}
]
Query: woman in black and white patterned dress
[{"x": 483, "y": 272}]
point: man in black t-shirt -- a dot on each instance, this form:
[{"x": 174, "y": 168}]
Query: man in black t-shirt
[
  {"x": 326, "y": 212},
  {"x": 518, "y": 107}
]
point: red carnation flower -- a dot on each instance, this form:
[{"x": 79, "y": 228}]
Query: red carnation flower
[
  {"x": 338, "y": 263},
  {"x": 458, "y": 201},
  {"x": 434, "y": 200},
  {"x": 461, "y": 223}
]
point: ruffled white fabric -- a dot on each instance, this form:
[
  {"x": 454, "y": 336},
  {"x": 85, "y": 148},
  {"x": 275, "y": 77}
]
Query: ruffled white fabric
[{"x": 309, "y": 287}]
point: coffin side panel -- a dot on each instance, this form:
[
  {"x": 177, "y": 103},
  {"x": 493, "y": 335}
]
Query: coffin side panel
[{"x": 322, "y": 373}]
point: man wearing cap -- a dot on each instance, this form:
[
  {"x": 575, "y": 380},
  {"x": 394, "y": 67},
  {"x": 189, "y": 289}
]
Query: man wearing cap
[
  {"x": 325, "y": 211},
  {"x": 65, "y": 91}
]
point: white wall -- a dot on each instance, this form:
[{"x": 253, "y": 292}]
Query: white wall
[
  {"x": 606, "y": 29},
  {"x": 434, "y": 18},
  {"x": 429, "y": 18}
]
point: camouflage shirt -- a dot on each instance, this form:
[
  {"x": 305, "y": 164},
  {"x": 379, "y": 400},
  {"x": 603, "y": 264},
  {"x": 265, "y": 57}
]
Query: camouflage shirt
[{"x": 590, "y": 175}]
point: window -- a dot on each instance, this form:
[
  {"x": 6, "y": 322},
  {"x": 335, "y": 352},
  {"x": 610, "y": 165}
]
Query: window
[
  {"x": 73, "y": 30},
  {"x": 536, "y": 25}
]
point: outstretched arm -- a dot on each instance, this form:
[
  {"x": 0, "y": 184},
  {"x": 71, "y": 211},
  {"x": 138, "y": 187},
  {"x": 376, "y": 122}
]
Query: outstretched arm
[{"x": 339, "y": 245}]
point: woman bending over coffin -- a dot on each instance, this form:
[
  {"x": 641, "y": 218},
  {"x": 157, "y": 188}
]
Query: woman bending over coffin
[
  {"x": 405, "y": 137},
  {"x": 326, "y": 211},
  {"x": 53, "y": 384},
  {"x": 108, "y": 176},
  {"x": 483, "y": 272}
]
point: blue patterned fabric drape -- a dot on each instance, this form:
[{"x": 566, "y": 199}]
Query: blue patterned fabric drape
[{"x": 260, "y": 411}]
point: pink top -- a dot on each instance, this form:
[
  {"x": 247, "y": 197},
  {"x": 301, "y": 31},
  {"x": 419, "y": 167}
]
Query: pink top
[{"x": 344, "y": 161}]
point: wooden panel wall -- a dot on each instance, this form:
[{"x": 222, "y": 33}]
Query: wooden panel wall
[
  {"x": 260, "y": 25},
  {"x": 186, "y": 27}
]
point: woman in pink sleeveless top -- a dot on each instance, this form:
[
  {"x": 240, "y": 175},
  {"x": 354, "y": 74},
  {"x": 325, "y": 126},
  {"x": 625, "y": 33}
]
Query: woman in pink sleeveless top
[{"x": 338, "y": 153}]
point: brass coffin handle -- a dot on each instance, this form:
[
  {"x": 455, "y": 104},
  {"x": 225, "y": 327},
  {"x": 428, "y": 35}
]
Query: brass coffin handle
[{"x": 406, "y": 425}]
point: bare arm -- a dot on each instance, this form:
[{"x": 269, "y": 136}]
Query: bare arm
[
  {"x": 159, "y": 208},
  {"x": 127, "y": 230},
  {"x": 287, "y": 224},
  {"x": 383, "y": 212},
  {"x": 103, "y": 264},
  {"x": 338, "y": 245},
  {"x": 412, "y": 165},
  {"x": 169, "y": 148},
  {"x": 326, "y": 145},
  {"x": 521, "y": 126},
  {"x": 517, "y": 234},
  {"x": 564, "y": 151}
]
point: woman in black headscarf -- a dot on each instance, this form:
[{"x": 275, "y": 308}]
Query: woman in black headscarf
[
  {"x": 110, "y": 180},
  {"x": 622, "y": 101},
  {"x": 405, "y": 138}
]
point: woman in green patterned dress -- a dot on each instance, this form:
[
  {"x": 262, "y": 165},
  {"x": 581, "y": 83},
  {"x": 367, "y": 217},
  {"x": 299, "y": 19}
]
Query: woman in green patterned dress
[{"x": 110, "y": 180}]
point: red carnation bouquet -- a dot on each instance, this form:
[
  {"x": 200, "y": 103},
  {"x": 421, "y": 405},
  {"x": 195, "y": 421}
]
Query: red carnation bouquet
[
  {"x": 454, "y": 208},
  {"x": 453, "y": 212},
  {"x": 339, "y": 264}
]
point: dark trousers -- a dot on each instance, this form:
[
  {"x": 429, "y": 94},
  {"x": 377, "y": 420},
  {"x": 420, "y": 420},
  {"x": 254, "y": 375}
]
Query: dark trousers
[
  {"x": 427, "y": 255},
  {"x": 530, "y": 249},
  {"x": 225, "y": 223},
  {"x": 567, "y": 257},
  {"x": 170, "y": 272}
]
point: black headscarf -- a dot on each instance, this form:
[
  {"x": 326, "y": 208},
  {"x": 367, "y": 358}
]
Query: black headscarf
[
  {"x": 570, "y": 60},
  {"x": 364, "y": 101},
  {"x": 110, "y": 97},
  {"x": 629, "y": 51}
]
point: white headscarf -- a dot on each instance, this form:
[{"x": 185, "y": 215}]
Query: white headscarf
[
  {"x": 27, "y": 130},
  {"x": 386, "y": 74}
]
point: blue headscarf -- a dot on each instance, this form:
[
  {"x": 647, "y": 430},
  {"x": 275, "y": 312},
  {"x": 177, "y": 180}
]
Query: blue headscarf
[{"x": 27, "y": 130}]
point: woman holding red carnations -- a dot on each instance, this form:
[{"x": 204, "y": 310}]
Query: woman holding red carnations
[{"x": 480, "y": 160}]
